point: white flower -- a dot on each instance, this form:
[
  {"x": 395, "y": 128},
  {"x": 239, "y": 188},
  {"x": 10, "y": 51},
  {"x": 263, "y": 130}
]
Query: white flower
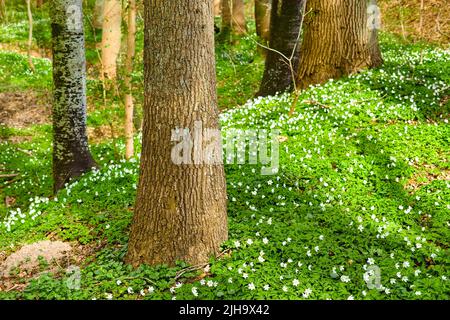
[
  {"x": 405, "y": 264},
  {"x": 251, "y": 286},
  {"x": 345, "y": 279},
  {"x": 109, "y": 296},
  {"x": 249, "y": 241},
  {"x": 118, "y": 282},
  {"x": 307, "y": 293},
  {"x": 418, "y": 293},
  {"x": 130, "y": 290},
  {"x": 142, "y": 292},
  {"x": 194, "y": 291},
  {"x": 151, "y": 289},
  {"x": 266, "y": 287},
  {"x": 295, "y": 282},
  {"x": 237, "y": 244},
  {"x": 370, "y": 261},
  {"x": 350, "y": 298},
  {"x": 261, "y": 259},
  {"x": 285, "y": 289},
  {"x": 265, "y": 241}
]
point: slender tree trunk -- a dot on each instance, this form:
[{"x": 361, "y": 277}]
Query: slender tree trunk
[
  {"x": 129, "y": 145},
  {"x": 233, "y": 18},
  {"x": 286, "y": 18},
  {"x": 374, "y": 25},
  {"x": 336, "y": 41},
  {"x": 30, "y": 35},
  {"x": 98, "y": 14},
  {"x": 180, "y": 211},
  {"x": 217, "y": 7},
  {"x": 111, "y": 37},
  {"x": 3, "y": 10},
  {"x": 262, "y": 19},
  {"x": 71, "y": 156}
]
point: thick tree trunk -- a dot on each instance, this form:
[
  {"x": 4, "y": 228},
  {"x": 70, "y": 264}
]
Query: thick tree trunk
[
  {"x": 129, "y": 143},
  {"x": 97, "y": 20},
  {"x": 112, "y": 19},
  {"x": 286, "y": 19},
  {"x": 262, "y": 19},
  {"x": 233, "y": 18},
  {"x": 180, "y": 211},
  {"x": 336, "y": 41},
  {"x": 71, "y": 156}
]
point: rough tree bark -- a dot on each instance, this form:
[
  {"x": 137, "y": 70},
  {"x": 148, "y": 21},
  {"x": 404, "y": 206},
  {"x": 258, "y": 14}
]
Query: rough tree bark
[
  {"x": 111, "y": 36},
  {"x": 286, "y": 18},
  {"x": 262, "y": 19},
  {"x": 71, "y": 156},
  {"x": 129, "y": 143},
  {"x": 233, "y": 18},
  {"x": 336, "y": 41},
  {"x": 180, "y": 211}
]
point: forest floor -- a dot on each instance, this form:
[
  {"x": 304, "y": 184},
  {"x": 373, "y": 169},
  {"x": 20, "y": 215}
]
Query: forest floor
[
  {"x": 359, "y": 209},
  {"x": 363, "y": 189}
]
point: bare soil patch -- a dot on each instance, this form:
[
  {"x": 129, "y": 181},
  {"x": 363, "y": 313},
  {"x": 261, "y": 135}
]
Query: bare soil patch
[{"x": 23, "y": 109}]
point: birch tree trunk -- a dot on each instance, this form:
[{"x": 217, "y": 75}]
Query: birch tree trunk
[
  {"x": 262, "y": 19},
  {"x": 129, "y": 144},
  {"x": 336, "y": 41},
  {"x": 71, "y": 156},
  {"x": 286, "y": 18},
  {"x": 180, "y": 211},
  {"x": 111, "y": 37}
]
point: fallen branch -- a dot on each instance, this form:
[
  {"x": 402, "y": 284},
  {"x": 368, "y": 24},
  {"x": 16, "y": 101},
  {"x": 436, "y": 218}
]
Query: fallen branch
[{"x": 9, "y": 175}]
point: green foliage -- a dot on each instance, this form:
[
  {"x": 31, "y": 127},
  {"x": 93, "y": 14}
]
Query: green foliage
[{"x": 362, "y": 184}]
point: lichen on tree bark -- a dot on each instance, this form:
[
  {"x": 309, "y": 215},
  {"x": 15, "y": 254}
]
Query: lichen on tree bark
[{"x": 71, "y": 155}]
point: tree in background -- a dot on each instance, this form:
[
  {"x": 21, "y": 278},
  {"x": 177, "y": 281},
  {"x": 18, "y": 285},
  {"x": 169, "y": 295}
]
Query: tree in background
[
  {"x": 97, "y": 14},
  {"x": 337, "y": 41},
  {"x": 283, "y": 56},
  {"x": 233, "y": 18},
  {"x": 71, "y": 155},
  {"x": 111, "y": 36},
  {"x": 262, "y": 19},
  {"x": 30, "y": 35},
  {"x": 217, "y": 7},
  {"x": 180, "y": 211},
  {"x": 129, "y": 143}
]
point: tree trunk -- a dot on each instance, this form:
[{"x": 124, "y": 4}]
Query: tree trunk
[
  {"x": 97, "y": 20},
  {"x": 129, "y": 144},
  {"x": 262, "y": 19},
  {"x": 217, "y": 7},
  {"x": 71, "y": 156},
  {"x": 180, "y": 211},
  {"x": 286, "y": 19},
  {"x": 233, "y": 18},
  {"x": 112, "y": 19},
  {"x": 336, "y": 41},
  {"x": 374, "y": 25},
  {"x": 30, "y": 35}
]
